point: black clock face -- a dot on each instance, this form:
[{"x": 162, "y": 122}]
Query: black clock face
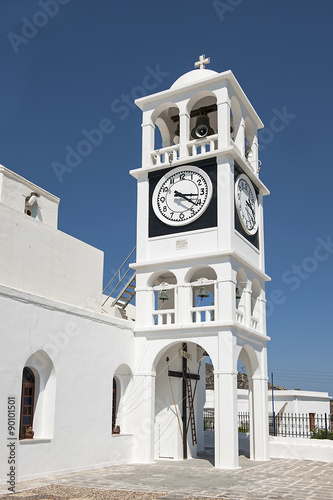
[
  {"x": 183, "y": 198},
  {"x": 246, "y": 207},
  {"x": 182, "y": 195}
]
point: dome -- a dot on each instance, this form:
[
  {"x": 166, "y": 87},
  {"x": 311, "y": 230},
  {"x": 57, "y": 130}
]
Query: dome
[{"x": 196, "y": 75}]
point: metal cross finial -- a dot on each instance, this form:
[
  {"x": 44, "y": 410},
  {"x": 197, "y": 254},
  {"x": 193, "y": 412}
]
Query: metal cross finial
[{"x": 202, "y": 61}]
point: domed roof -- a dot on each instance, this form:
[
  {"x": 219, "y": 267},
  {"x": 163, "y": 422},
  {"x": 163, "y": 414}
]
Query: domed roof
[{"x": 196, "y": 75}]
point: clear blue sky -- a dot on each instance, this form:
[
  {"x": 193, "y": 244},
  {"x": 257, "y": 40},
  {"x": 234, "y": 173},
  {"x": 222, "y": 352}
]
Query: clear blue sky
[{"x": 70, "y": 72}]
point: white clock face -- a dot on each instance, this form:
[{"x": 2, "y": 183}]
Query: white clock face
[
  {"x": 182, "y": 195},
  {"x": 246, "y": 204}
]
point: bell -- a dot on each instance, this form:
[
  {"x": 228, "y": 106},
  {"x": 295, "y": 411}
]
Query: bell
[
  {"x": 163, "y": 295},
  {"x": 177, "y": 131},
  {"x": 202, "y": 127},
  {"x": 248, "y": 152},
  {"x": 238, "y": 294},
  {"x": 203, "y": 292}
]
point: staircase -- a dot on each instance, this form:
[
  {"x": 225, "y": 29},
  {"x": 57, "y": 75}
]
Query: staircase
[{"x": 122, "y": 285}]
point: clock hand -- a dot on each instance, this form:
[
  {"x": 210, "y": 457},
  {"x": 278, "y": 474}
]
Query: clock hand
[
  {"x": 250, "y": 207},
  {"x": 184, "y": 196},
  {"x": 251, "y": 217}
]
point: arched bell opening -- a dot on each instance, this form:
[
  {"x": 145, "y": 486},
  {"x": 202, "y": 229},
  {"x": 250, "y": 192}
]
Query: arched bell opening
[
  {"x": 251, "y": 148},
  {"x": 241, "y": 283},
  {"x": 202, "y": 110},
  {"x": 202, "y": 281},
  {"x": 165, "y": 119},
  {"x": 232, "y": 128},
  {"x": 180, "y": 392},
  {"x": 255, "y": 304},
  {"x": 163, "y": 285}
]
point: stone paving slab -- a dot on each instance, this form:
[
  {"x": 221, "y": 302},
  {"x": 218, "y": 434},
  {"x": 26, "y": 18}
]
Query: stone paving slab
[{"x": 277, "y": 479}]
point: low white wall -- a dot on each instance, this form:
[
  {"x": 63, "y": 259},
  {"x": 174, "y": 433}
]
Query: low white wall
[{"x": 301, "y": 448}]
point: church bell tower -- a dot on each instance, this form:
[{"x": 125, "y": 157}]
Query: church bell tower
[{"x": 200, "y": 258}]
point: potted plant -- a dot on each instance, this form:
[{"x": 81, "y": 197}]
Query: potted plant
[
  {"x": 29, "y": 433},
  {"x": 116, "y": 430}
]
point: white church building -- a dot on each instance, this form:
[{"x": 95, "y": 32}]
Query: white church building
[{"x": 73, "y": 370}]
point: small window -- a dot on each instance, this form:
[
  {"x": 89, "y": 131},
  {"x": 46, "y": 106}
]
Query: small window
[
  {"x": 27, "y": 401},
  {"x": 114, "y": 405}
]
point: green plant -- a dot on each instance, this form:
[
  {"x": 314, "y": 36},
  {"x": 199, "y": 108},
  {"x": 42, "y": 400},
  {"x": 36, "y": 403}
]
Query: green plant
[{"x": 321, "y": 433}]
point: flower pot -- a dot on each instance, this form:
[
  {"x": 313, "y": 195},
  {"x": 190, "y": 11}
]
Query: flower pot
[
  {"x": 29, "y": 434},
  {"x": 116, "y": 430}
]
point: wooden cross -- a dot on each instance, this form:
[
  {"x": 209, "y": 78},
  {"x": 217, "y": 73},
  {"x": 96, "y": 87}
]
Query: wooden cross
[
  {"x": 202, "y": 61},
  {"x": 185, "y": 375}
]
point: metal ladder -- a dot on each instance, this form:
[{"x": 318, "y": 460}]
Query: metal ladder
[
  {"x": 123, "y": 285},
  {"x": 191, "y": 408}
]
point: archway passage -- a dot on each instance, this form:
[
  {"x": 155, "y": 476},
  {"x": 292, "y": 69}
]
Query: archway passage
[
  {"x": 27, "y": 401},
  {"x": 179, "y": 401}
]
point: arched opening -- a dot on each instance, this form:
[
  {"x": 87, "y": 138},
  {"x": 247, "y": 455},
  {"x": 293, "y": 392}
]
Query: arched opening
[
  {"x": 27, "y": 401},
  {"x": 43, "y": 406},
  {"x": 203, "y": 292},
  {"x": 202, "y": 109},
  {"x": 247, "y": 367},
  {"x": 165, "y": 119},
  {"x": 255, "y": 304},
  {"x": 121, "y": 395},
  {"x": 241, "y": 283},
  {"x": 179, "y": 401},
  {"x": 164, "y": 289}
]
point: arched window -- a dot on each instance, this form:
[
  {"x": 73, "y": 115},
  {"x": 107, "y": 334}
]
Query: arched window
[
  {"x": 114, "y": 405},
  {"x": 27, "y": 401}
]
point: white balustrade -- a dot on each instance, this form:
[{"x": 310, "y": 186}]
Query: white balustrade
[
  {"x": 204, "y": 314},
  {"x": 165, "y": 156},
  {"x": 239, "y": 316},
  {"x": 199, "y": 147},
  {"x": 165, "y": 317},
  {"x": 254, "y": 323}
]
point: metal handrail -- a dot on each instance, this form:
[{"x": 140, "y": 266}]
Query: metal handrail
[{"x": 118, "y": 272}]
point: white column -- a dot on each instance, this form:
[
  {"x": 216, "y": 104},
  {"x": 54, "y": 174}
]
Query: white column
[
  {"x": 223, "y": 117},
  {"x": 225, "y": 300},
  {"x": 226, "y": 425},
  {"x": 254, "y": 159},
  {"x": 184, "y": 127},
  {"x": 201, "y": 399},
  {"x": 240, "y": 139},
  {"x": 223, "y": 124},
  {"x": 148, "y": 137},
  {"x": 260, "y": 419},
  {"x": 247, "y": 306}
]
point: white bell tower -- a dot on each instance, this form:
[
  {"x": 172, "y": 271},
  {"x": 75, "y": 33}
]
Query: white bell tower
[{"x": 200, "y": 262}]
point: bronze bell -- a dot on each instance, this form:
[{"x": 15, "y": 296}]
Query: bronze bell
[
  {"x": 203, "y": 292},
  {"x": 163, "y": 295},
  {"x": 238, "y": 294},
  {"x": 177, "y": 131},
  {"x": 202, "y": 127}
]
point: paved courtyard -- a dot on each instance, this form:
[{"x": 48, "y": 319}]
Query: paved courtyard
[{"x": 277, "y": 479}]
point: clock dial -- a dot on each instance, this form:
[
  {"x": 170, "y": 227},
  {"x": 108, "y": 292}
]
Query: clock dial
[
  {"x": 246, "y": 204},
  {"x": 182, "y": 195}
]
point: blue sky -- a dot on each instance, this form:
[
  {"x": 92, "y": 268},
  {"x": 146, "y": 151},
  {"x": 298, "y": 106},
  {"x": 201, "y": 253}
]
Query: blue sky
[{"x": 85, "y": 59}]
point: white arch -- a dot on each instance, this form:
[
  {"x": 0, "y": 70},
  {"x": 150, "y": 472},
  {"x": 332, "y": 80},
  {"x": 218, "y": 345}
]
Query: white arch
[
  {"x": 45, "y": 393},
  {"x": 124, "y": 378}
]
